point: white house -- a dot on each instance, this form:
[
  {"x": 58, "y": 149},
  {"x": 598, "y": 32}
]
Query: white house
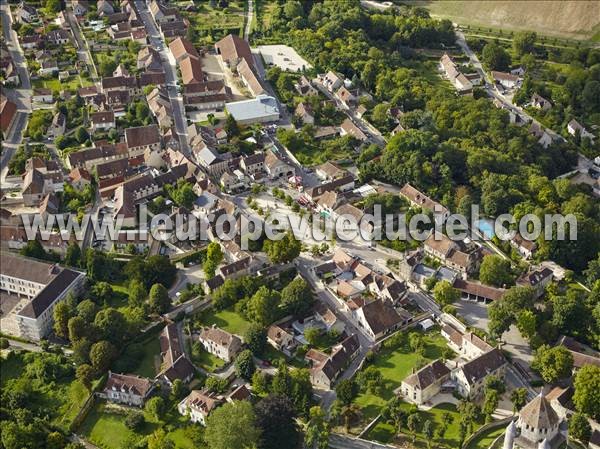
[
  {"x": 220, "y": 343},
  {"x": 127, "y": 389},
  {"x": 421, "y": 386},
  {"x": 198, "y": 405},
  {"x": 470, "y": 377}
]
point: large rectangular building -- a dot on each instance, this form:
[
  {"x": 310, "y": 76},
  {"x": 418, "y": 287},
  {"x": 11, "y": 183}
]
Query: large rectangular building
[
  {"x": 41, "y": 286},
  {"x": 262, "y": 109}
]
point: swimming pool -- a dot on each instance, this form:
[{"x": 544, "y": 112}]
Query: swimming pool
[{"x": 486, "y": 227}]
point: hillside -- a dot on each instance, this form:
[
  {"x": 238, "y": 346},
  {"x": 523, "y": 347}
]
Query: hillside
[{"x": 568, "y": 19}]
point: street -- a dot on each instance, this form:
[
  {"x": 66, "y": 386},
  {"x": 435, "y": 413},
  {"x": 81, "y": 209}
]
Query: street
[
  {"x": 82, "y": 48},
  {"x": 20, "y": 96},
  {"x": 170, "y": 67}
]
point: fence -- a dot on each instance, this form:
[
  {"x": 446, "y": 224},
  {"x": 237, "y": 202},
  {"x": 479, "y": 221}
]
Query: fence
[{"x": 485, "y": 428}]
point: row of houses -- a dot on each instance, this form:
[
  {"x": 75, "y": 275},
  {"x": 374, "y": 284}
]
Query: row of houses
[{"x": 463, "y": 83}]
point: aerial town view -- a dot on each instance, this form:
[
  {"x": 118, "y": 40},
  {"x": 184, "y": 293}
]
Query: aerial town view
[{"x": 300, "y": 224}]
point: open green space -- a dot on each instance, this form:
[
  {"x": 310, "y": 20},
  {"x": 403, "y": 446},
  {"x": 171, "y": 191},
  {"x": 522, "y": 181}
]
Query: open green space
[
  {"x": 385, "y": 432},
  {"x": 72, "y": 83},
  {"x": 395, "y": 365},
  {"x": 484, "y": 440},
  {"x": 206, "y": 360},
  {"x": 105, "y": 427},
  {"x": 227, "y": 320},
  {"x": 148, "y": 363}
]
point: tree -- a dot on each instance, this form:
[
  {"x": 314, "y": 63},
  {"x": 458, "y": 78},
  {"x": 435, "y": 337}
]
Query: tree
[
  {"x": 518, "y": 397},
  {"x": 244, "y": 364},
  {"x": 346, "y": 390},
  {"x": 179, "y": 390},
  {"x": 101, "y": 292},
  {"x": 155, "y": 407},
  {"x": 276, "y": 419},
  {"x": 159, "y": 440},
  {"x": 444, "y": 293},
  {"x": 87, "y": 310},
  {"x": 231, "y": 127},
  {"x": 490, "y": 403},
  {"x": 4, "y": 343},
  {"x": 414, "y": 423},
  {"x": 256, "y": 339},
  {"x": 214, "y": 256},
  {"x": 216, "y": 384},
  {"x": 587, "y": 391},
  {"x": 296, "y": 297},
  {"x": 317, "y": 429},
  {"x": 527, "y": 323},
  {"x": 134, "y": 421},
  {"x": 428, "y": 431},
  {"x": 61, "y": 316},
  {"x": 73, "y": 255},
  {"x": 553, "y": 363},
  {"x": 495, "y": 57},
  {"x": 53, "y": 6},
  {"x": 159, "y": 299},
  {"x": 78, "y": 329},
  {"x": 283, "y": 250},
  {"x": 579, "y": 428},
  {"x": 81, "y": 351},
  {"x": 137, "y": 293},
  {"x": 262, "y": 307},
  {"x": 496, "y": 271},
  {"x": 81, "y": 134},
  {"x": 524, "y": 42},
  {"x": 260, "y": 383},
  {"x": 111, "y": 324},
  {"x": 85, "y": 374},
  {"x": 237, "y": 415},
  {"x": 312, "y": 335},
  {"x": 101, "y": 355}
]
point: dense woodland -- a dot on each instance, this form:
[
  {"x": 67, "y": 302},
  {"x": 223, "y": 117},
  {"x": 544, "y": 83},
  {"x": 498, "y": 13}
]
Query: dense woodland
[{"x": 460, "y": 150}]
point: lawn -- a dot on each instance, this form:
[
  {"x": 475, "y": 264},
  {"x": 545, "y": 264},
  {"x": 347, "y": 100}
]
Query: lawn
[
  {"x": 206, "y": 360},
  {"x": 385, "y": 432},
  {"x": 76, "y": 396},
  {"x": 395, "y": 365},
  {"x": 106, "y": 429},
  {"x": 148, "y": 364},
  {"x": 227, "y": 320},
  {"x": 72, "y": 83},
  {"x": 486, "y": 439}
]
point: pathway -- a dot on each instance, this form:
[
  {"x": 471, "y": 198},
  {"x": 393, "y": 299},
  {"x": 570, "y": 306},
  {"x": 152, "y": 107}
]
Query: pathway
[{"x": 249, "y": 16}]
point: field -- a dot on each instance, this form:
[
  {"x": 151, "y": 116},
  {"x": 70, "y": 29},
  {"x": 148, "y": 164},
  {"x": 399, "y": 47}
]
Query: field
[
  {"x": 54, "y": 84},
  {"x": 486, "y": 439},
  {"x": 565, "y": 19}
]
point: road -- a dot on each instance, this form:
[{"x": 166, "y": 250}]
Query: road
[
  {"x": 338, "y": 441},
  {"x": 170, "y": 67},
  {"x": 83, "y": 52},
  {"x": 21, "y": 96}
]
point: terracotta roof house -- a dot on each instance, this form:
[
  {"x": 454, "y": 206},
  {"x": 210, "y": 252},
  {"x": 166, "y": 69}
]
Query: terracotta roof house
[
  {"x": 175, "y": 365},
  {"x": 183, "y": 48},
  {"x": 251, "y": 81},
  {"x": 281, "y": 339},
  {"x": 349, "y": 128},
  {"x": 191, "y": 71},
  {"x": 233, "y": 49},
  {"x": 8, "y": 112},
  {"x": 140, "y": 138}
]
